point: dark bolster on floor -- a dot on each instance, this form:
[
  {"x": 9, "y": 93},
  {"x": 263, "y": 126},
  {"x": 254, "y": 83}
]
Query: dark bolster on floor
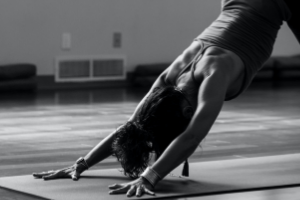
[
  {"x": 17, "y": 77},
  {"x": 146, "y": 74},
  {"x": 283, "y": 67}
]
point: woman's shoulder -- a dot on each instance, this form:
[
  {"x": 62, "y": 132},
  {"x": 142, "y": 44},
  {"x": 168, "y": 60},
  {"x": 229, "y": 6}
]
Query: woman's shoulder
[{"x": 216, "y": 56}]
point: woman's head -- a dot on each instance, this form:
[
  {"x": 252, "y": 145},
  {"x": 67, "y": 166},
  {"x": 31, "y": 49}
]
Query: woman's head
[{"x": 158, "y": 122}]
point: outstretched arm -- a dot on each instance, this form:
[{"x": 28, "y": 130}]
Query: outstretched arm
[
  {"x": 100, "y": 152},
  {"x": 103, "y": 149},
  {"x": 97, "y": 154}
]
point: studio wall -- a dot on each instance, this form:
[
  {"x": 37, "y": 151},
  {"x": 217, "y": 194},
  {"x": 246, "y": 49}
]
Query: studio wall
[{"x": 152, "y": 30}]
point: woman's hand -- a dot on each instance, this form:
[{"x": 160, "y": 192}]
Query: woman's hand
[
  {"x": 137, "y": 187},
  {"x": 73, "y": 172}
]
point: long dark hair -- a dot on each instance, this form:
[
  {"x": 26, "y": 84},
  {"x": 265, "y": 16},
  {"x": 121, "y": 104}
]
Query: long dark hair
[{"x": 158, "y": 122}]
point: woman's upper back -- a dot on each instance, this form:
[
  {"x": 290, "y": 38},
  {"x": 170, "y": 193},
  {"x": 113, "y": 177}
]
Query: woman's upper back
[{"x": 190, "y": 68}]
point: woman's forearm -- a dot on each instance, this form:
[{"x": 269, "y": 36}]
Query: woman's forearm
[
  {"x": 101, "y": 151},
  {"x": 177, "y": 152}
]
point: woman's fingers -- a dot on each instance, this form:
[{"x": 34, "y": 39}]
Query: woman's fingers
[
  {"x": 58, "y": 174},
  {"x": 137, "y": 187},
  {"x": 41, "y": 174},
  {"x": 68, "y": 172},
  {"x": 131, "y": 191},
  {"x": 139, "y": 191},
  {"x": 51, "y": 176},
  {"x": 143, "y": 190},
  {"x": 120, "y": 190},
  {"x": 115, "y": 186},
  {"x": 147, "y": 191}
]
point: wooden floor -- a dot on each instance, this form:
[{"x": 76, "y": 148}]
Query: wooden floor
[{"x": 50, "y": 130}]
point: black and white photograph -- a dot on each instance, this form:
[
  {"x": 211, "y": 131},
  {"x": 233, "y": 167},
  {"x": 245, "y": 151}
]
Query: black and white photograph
[{"x": 149, "y": 99}]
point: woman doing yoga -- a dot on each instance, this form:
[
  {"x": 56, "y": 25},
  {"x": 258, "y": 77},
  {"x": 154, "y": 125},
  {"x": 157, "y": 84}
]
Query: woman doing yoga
[{"x": 185, "y": 100}]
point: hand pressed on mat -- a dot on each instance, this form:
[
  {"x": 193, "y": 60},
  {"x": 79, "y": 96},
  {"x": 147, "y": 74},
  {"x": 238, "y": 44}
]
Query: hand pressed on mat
[
  {"x": 73, "y": 172},
  {"x": 137, "y": 187}
]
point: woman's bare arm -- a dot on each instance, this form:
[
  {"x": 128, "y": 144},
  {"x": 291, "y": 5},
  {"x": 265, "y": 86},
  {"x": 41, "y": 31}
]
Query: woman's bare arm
[
  {"x": 210, "y": 100},
  {"x": 103, "y": 149},
  {"x": 100, "y": 152}
]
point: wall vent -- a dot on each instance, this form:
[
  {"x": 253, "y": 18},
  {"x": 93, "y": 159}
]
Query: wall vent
[{"x": 89, "y": 68}]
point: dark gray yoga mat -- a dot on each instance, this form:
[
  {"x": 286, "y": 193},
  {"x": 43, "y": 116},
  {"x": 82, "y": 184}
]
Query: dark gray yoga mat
[{"x": 206, "y": 178}]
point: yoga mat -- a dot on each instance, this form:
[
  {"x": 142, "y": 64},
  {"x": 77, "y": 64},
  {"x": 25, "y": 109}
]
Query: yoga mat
[
  {"x": 206, "y": 178},
  {"x": 292, "y": 193}
]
